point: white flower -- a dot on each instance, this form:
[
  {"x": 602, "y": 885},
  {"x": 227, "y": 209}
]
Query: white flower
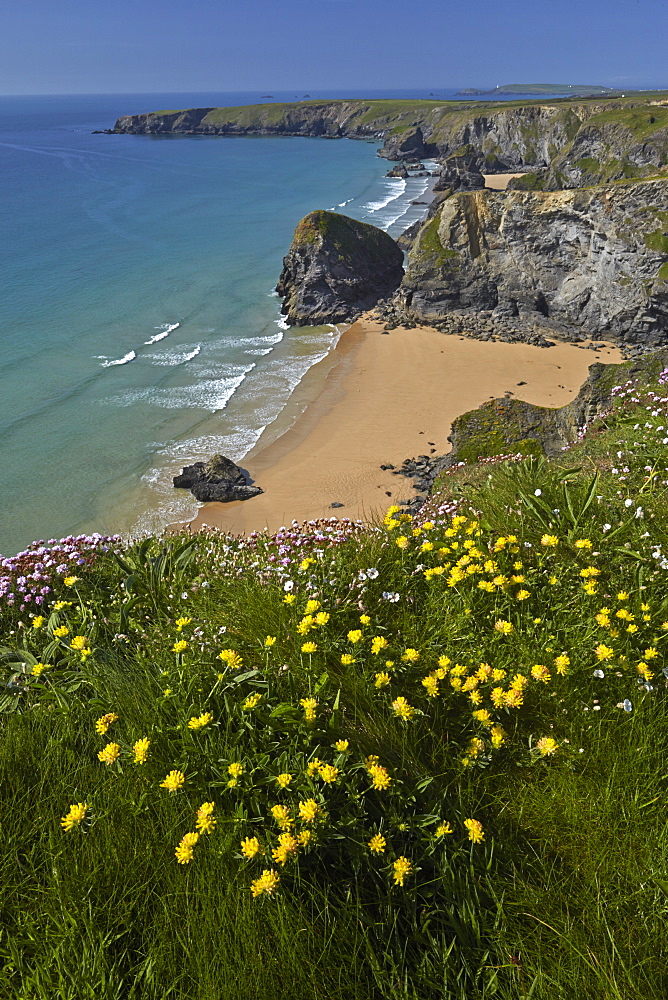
[
  {"x": 288, "y": 585},
  {"x": 372, "y": 572},
  {"x": 639, "y": 513},
  {"x": 606, "y": 527},
  {"x": 599, "y": 673},
  {"x": 628, "y": 503},
  {"x": 391, "y": 597},
  {"x": 538, "y": 493}
]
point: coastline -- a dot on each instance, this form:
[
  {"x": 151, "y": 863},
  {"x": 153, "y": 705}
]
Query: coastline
[{"x": 377, "y": 399}]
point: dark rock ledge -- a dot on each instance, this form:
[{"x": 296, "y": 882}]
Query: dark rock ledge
[{"x": 218, "y": 479}]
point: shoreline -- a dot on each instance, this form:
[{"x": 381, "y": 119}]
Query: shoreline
[{"x": 377, "y": 399}]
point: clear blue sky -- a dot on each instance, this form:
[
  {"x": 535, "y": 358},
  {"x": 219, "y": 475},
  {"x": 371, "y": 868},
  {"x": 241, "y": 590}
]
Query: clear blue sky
[{"x": 115, "y": 46}]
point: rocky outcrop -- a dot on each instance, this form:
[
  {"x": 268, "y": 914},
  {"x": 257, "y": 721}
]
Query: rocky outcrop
[
  {"x": 511, "y": 426},
  {"x": 218, "y": 479},
  {"x": 336, "y": 269},
  {"x": 462, "y": 173},
  {"x": 593, "y": 259}
]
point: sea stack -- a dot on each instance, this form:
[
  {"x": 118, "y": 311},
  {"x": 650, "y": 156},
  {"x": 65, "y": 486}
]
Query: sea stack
[{"x": 336, "y": 269}]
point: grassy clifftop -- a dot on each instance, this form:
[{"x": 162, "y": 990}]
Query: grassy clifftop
[{"x": 419, "y": 759}]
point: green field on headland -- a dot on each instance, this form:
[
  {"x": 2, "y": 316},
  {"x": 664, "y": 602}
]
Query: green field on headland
[{"x": 420, "y": 759}]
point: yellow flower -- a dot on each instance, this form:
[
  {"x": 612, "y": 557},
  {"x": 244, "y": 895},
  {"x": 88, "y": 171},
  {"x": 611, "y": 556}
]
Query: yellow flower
[
  {"x": 430, "y": 684},
  {"x": 402, "y": 542},
  {"x": 266, "y": 883},
  {"x": 402, "y": 709},
  {"x": 313, "y": 766},
  {"x": 546, "y": 746},
  {"x": 69, "y": 581},
  {"x": 355, "y": 635},
  {"x": 378, "y": 643},
  {"x": 498, "y": 736},
  {"x": 184, "y": 852},
  {"x": 61, "y": 631},
  {"x": 486, "y": 585},
  {"x": 309, "y": 705},
  {"x": 540, "y": 673},
  {"x": 269, "y": 641},
  {"x": 287, "y": 845},
  {"x": 341, "y": 745},
  {"x": 80, "y": 643},
  {"x": 59, "y": 605},
  {"x": 377, "y": 844},
  {"x": 321, "y": 618},
  {"x": 347, "y": 660},
  {"x": 604, "y": 652},
  {"x": 308, "y": 810},
  {"x": 364, "y": 619},
  {"x": 311, "y": 606},
  {"x": 502, "y": 626},
  {"x": 411, "y": 656},
  {"x": 444, "y": 661},
  {"x": 513, "y": 698},
  {"x": 235, "y": 769},
  {"x": 305, "y": 563},
  {"x": 74, "y": 816},
  {"x": 583, "y": 543},
  {"x": 110, "y": 754},
  {"x": 309, "y": 647},
  {"x": 549, "y": 540},
  {"x": 622, "y": 595},
  {"x": 283, "y": 779},
  {"x": 38, "y": 621},
  {"x": 179, "y": 646},
  {"x": 401, "y": 869},
  {"x": 475, "y": 830},
  {"x": 476, "y": 746},
  {"x": 562, "y": 663},
  {"x": 250, "y": 846},
  {"x": 305, "y": 625},
  {"x": 651, "y": 653},
  {"x": 379, "y": 776},
  {"x": 552, "y": 580},
  {"x": 644, "y": 671},
  {"x": 206, "y": 821},
  {"x": 305, "y": 836},
  {"x": 252, "y": 701},
  {"x": 173, "y": 781},
  {"x": 200, "y": 721},
  {"x": 522, "y": 595},
  {"x": 482, "y": 715},
  {"x": 329, "y": 774},
  {"x": 39, "y": 669},
  {"x": 181, "y": 623},
  {"x": 282, "y": 816},
  {"x": 382, "y": 679},
  {"x": 231, "y": 658},
  {"x": 289, "y": 599},
  {"x": 103, "y": 723},
  {"x": 140, "y": 750},
  {"x": 443, "y": 830}
]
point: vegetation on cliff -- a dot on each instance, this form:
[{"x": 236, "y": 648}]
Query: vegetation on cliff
[{"x": 419, "y": 759}]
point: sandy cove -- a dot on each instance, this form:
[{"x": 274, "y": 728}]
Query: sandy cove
[{"x": 378, "y": 399}]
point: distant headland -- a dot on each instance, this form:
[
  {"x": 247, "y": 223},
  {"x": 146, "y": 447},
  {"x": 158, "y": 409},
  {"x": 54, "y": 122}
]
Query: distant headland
[{"x": 577, "y": 89}]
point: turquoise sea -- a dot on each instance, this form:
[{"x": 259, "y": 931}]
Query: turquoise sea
[{"x": 138, "y": 321}]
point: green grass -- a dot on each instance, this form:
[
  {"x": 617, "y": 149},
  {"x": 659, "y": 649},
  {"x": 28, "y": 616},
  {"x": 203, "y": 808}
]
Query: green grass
[{"x": 565, "y": 896}]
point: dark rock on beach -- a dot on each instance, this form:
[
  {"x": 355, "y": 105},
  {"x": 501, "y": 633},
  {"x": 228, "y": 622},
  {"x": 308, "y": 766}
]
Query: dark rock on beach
[
  {"x": 218, "y": 479},
  {"x": 336, "y": 269}
]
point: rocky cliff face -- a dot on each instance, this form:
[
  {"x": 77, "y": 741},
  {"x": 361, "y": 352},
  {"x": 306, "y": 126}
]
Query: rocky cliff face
[
  {"x": 337, "y": 268},
  {"x": 567, "y": 143},
  {"x": 594, "y": 259}
]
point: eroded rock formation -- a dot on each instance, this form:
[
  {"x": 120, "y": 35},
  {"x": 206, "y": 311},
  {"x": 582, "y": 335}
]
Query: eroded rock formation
[{"x": 337, "y": 268}]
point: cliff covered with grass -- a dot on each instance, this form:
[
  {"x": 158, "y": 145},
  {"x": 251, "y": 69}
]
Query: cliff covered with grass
[
  {"x": 578, "y": 140},
  {"x": 417, "y": 759}
]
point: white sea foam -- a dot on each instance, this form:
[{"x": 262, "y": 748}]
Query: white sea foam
[
  {"x": 282, "y": 323},
  {"x": 397, "y": 186},
  {"x": 165, "y": 331},
  {"x": 130, "y": 356},
  {"x": 342, "y": 204},
  {"x": 206, "y": 394}
]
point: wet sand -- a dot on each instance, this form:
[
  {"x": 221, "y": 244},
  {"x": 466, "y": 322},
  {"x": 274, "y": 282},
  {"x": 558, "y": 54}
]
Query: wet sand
[{"x": 378, "y": 399}]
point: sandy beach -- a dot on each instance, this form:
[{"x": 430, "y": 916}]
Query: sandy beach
[{"x": 381, "y": 398}]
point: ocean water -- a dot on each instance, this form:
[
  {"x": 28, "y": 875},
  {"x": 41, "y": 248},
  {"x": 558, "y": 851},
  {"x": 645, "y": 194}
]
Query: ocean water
[{"x": 138, "y": 323}]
